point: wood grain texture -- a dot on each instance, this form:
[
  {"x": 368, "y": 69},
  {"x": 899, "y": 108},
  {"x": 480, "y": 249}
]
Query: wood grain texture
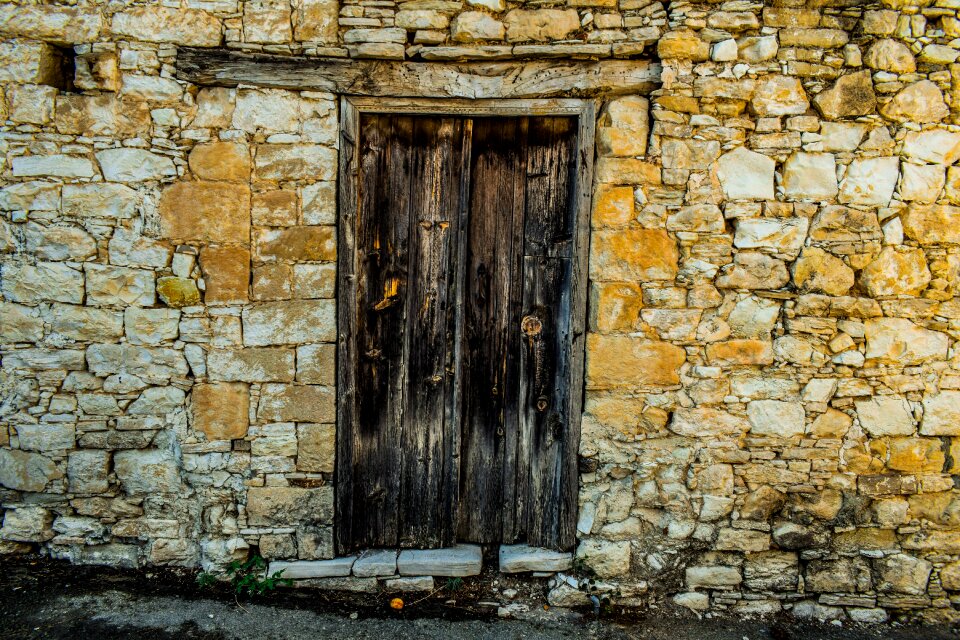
[{"x": 515, "y": 79}]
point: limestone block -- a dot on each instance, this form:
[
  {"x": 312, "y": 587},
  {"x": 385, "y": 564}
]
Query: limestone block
[
  {"x": 890, "y": 55},
  {"x": 316, "y": 447},
  {"x": 921, "y": 183},
  {"x": 941, "y": 414},
  {"x": 99, "y": 201},
  {"x": 713, "y": 577},
  {"x": 71, "y": 322},
  {"x": 226, "y": 272},
  {"x": 57, "y": 165},
  {"x": 623, "y": 361},
  {"x": 703, "y": 218},
  {"x": 736, "y": 352},
  {"x": 146, "y": 471},
  {"x": 50, "y": 22},
  {"x": 134, "y": 165},
  {"x": 778, "y": 95},
  {"x": 189, "y": 27},
  {"x": 267, "y": 22},
  {"x": 151, "y": 326},
  {"x": 267, "y": 364},
  {"x": 24, "y": 471},
  {"x": 903, "y": 574},
  {"x": 851, "y": 95},
  {"x": 129, "y": 248},
  {"x": 633, "y": 255},
  {"x": 178, "y": 292},
  {"x": 626, "y": 171},
  {"x": 279, "y": 439},
  {"x": 289, "y": 322},
  {"x": 44, "y": 359},
  {"x": 836, "y": 224},
  {"x": 215, "y": 107},
  {"x": 541, "y": 25},
  {"x": 459, "y": 560},
  {"x": 44, "y": 281},
  {"x": 901, "y": 342},
  {"x": 724, "y": 51},
  {"x": 934, "y": 145},
  {"x": 29, "y": 62},
  {"x": 319, "y": 203},
  {"x": 53, "y": 436},
  {"x": 221, "y": 161},
  {"x": 870, "y": 181},
  {"x": 88, "y": 471},
  {"x": 844, "y": 575},
  {"x": 27, "y": 524},
  {"x": 689, "y": 154},
  {"x": 221, "y": 410},
  {"x": 296, "y": 403},
  {"x": 101, "y": 115},
  {"x": 316, "y": 364},
  {"x": 919, "y": 102},
  {"x": 298, "y": 243},
  {"x": 150, "y": 88},
  {"x": 307, "y": 569},
  {"x": 754, "y": 49},
  {"x": 841, "y": 136},
  {"x": 149, "y": 363},
  {"x": 157, "y": 401},
  {"x": 35, "y": 195},
  {"x": 474, "y": 26},
  {"x": 706, "y": 421},
  {"x": 746, "y": 175},
  {"x": 810, "y": 176},
  {"x": 205, "y": 212},
  {"x": 315, "y": 20},
  {"x": 285, "y": 506},
  {"x": 817, "y": 270},
  {"x": 19, "y": 323},
  {"x": 31, "y": 103},
  {"x": 932, "y": 224},
  {"x": 118, "y": 286},
  {"x": 58, "y": 242},
  {"x": 776, "y": 418},
  {"x": 783, "y": 237},
  {"x": 885, "y": 416},
  {"x": 97, "y": 71},
  {"x": 684, "y": 44},
  {"x": 752, "y": 270},
  {"x": 753, "y": 317},
  {"x": 277, "y": 208},
  {"x": 295, "y": 162},
  {"x": 896, "y": 271},
  {"x": 950, "y": 577},
  {"x": 314, "y": 280}
]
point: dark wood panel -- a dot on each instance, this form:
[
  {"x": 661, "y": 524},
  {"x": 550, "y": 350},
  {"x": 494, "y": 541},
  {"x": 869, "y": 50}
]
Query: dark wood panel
[
  {"x": 546, "y": 450},
  {"x": 473, "y": 80},
  {"x": 551, "y": 178},
  {"x": 428, "y": 475},
  {"x": 490, "y": 330}
]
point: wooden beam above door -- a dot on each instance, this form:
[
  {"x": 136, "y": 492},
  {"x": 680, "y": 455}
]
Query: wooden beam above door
[{"x": 385, "y": 78}]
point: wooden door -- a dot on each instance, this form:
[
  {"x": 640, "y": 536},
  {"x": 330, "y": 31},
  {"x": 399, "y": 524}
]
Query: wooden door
[{"x": 455, "y": 373}]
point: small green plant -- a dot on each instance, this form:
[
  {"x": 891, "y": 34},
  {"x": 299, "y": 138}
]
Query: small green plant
[
  {"x": 454, "y": 584},
  {"x": 205, "y": 580},
  {"x": 251, "y": 578}
]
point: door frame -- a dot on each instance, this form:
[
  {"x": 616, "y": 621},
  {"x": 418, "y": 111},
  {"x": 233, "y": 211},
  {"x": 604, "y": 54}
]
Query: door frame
[{"x": 351, "y": 109}]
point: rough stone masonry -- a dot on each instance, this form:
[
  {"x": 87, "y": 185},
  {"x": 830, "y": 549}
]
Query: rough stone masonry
[{"x": 772, "y": 417}]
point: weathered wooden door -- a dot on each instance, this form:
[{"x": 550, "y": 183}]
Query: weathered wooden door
[{"x": 456, "y": 383}]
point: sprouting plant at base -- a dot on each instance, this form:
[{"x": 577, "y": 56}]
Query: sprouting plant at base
[
  {"x": 454, "y": 584},
  {"x": 251, "y": 577},
  {"x": 205, "y": 580}
]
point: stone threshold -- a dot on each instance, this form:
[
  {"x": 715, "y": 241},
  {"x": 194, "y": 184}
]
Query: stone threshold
[{"x": 414, "y": 569}]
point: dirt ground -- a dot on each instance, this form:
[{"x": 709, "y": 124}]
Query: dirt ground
[{"x": 52, "y": 600}]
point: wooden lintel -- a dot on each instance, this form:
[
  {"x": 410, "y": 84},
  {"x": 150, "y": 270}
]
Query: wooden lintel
[{"x": 385, "y": 78}]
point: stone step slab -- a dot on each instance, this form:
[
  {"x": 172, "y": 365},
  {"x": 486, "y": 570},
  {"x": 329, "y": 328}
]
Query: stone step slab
[
  {"x": 519, "y": 558},
  {"x": 376, "y": 562},
  {"x": 460, "y": 560},
  {"x": 305, "y": 569},
  {"x": 409, "y": 583}
]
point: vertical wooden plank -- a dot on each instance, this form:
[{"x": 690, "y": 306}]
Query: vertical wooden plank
[
  {"x": 550, "y": 219},
  {"x": 489, "y": 337},
  {"x": 346, "y": 323},
  {"x": 544, "y": 395},
  {"x": 426, "y": 505},
  {"x": 380, "y": 310}
]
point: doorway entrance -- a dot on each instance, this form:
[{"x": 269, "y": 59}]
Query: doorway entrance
[{"x": 461, "y": 295}]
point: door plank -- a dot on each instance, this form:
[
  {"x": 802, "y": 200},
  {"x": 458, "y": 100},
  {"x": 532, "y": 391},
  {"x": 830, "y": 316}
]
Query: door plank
[
  {"x": 490, "y": 340},
  {"x": 544, "y": 392},
  {"x": 551, "y": 171},
  {"x": 427, "y": 492}
]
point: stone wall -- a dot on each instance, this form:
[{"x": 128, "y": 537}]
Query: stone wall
[{"x": 772, "y": 415}]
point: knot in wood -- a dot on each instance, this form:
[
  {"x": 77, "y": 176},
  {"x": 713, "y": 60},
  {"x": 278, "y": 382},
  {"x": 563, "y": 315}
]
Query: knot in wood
[{"x": 531, "y": 326}]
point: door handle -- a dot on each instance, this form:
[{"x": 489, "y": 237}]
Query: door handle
[{"x": 532, "y": 327}]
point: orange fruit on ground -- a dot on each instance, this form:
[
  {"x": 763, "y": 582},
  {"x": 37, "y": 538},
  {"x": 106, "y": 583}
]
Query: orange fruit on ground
[{"x": 396, "y": 603}]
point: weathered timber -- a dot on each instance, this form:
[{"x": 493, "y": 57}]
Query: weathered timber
[{"x": 475, "y": 80}]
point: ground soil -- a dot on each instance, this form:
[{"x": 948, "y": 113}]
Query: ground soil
[{"x": 40, "y": 598}]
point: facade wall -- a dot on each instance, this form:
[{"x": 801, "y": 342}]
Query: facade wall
[{"x": 772, "y": 415}]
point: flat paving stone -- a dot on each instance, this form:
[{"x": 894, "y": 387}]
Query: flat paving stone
[
  {"x": 461, "y": 560},
  {"x": 409, "y": 583},
  {"x": 519, "y": 558},
  {"x": 376, "y": 562},
  {"x": 301, "y": 569}
]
